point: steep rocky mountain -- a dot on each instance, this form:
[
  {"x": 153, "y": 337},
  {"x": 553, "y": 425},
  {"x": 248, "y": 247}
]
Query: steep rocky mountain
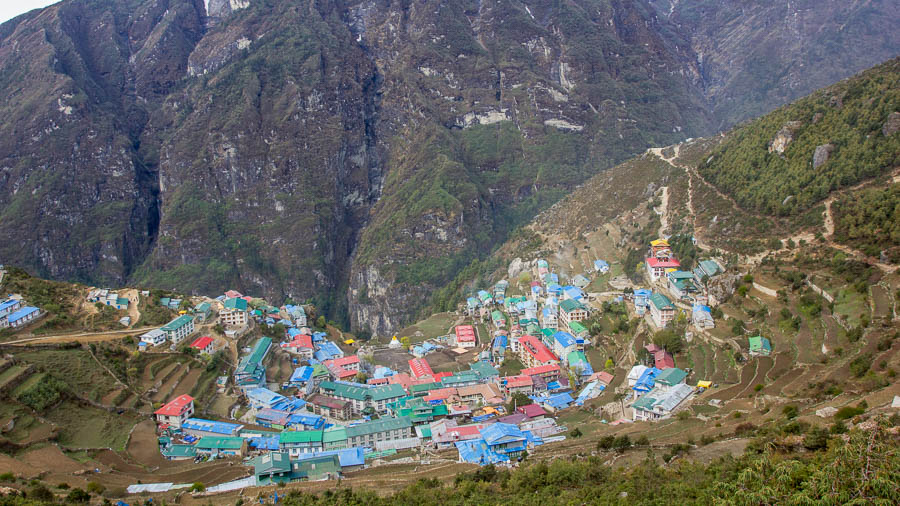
[{"x": 360, "y": 154}]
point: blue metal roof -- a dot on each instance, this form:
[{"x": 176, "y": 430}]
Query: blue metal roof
[
  {"x": 314, "y": 421},
  {"x": 559, "y": 401},
  {"x": 348, "y": 457},
  {"x": 263, "y": 443},
  {"x": 301, "y": 374},
  {"x": 645, "y": 383},
  {"x": 264, "y": 396},
  {"x": 327, "y": 351},
  {"x": 213, "y": 426},
  {"x": 8, "y": 303},
  {"x": 564, "y": 339},
  {"x": 22, "y": 313},
  {"x": 494, "y": 433}
]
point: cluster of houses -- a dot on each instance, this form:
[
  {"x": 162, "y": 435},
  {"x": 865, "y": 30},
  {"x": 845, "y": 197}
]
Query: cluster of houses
[
  {"x": 670, "y": 282},
  {"x": 15, "y": 312},
  {"x": 107, "y": 297}
]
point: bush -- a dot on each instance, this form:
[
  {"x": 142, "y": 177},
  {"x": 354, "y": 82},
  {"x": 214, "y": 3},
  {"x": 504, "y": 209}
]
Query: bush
[
  {"x": 63, "y": 486},
  {"x": 848, "y": 412},
  {"x": 816, "y": 439},
  {"x": 95, "y": 488},
  {"x": 41, "y": 493},
  {"x": 7, "y": 476},
  {"x": 78, "y": 495},
  {"x": 622, "y": 443},
  {"x": 606, "y": 443},
  {"x": 683, "y": 415},
  {"x": 861, "y": 365},
  {"x": 790, "y": 412},
  {"x": 197, "y": 487},
  {"x": 642, "y": 441},
  {"x": 576, "y": 433}
]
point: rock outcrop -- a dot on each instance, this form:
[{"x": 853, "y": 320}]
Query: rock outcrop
[{"x": 821, "y": 155}]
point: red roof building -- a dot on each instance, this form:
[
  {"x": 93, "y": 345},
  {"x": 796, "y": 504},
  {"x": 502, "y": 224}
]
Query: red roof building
[
  {"x": 548, "y": 372},
  {"x": 441, "y": 394},
  {"x": 302, "y": 344},
  {"x": 420, "y": 367},
  {"x": 176, "y": 411},
  {"x": 603, "y": 377},
  {"x": 656, "y": 267},
  {"x": 437, "y": 376},
  {"x": 663, "y": 360},
  {"x": 532, "y": 411},
  {"x": 465, "y": 336},
  {"x": 402, "y": 379},
  {"x": 203, "y": 344},
  {"x": 534, "y": 353},
  {"x": 233, "y": 294},
  {"x": 350, "y": 362},
  {"x": 522, "y": 383}
]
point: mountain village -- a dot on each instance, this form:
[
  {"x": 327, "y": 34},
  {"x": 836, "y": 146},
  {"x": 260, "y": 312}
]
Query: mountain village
[{"x": 341, "y": 410}]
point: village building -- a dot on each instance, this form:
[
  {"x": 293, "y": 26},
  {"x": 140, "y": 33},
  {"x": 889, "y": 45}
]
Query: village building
[
  {"x": 601, "y": 266},
  {"x": 175, "y": 412},
  {"x": 547, "y": 373},
  {"x": 662, "y": 311},
  {"x": 154, "y": 337},
  {"x": 656, "y": 267},
  {"x": 296, "y": 442},
  {"x": 205, "y": 345},
  {"x": 563, "y": 343},
  {"x": 465, "y": 336},
  {"x": 199, "y": 427},
  {"x": 20, "y": 317},
  {"x": 221, "y": 446},
  {"x": 378, "y": 431},
  {"x": 334, "y": 438},
  {"x": 178, "y": 329},
  {"x": 681, "y": 284},
  {"x": 420, "y": 368},
  {"x": 533, "y": 353},
  {"x": 300, "y": 344},
  {"x": 234, "y": 313},
  {"x": 277, "y": 467},
  {"x": 660, "y": 403},
  {"x": 203, "y": 312},
  {"x": 251, "y": 373},
  {"x": 760, "y": 346},
  {"x": 330, "y": 407},
  {"x": 521, "y": 383},
  {"x": 570, "y": 311},
  {"x": 701, "y": 317}
]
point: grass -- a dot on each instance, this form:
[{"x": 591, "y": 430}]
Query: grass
[
  {"x": 851, "y": 304},
  {"x": 511, "y": 367},
  {"x": 85, "y": 427},
  {"x": 76, "y": 367},
  {"x": 434, "y": 326},
  {"x": 11, "y": 373},
  {"x": 28, "y": 383}
]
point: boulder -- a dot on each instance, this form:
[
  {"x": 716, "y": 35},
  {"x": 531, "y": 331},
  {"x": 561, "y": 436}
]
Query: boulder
[
  {"x": 822, "y": 154},
  {"x": 784, "y": 137},
  {"x": 892, "y": 125}
]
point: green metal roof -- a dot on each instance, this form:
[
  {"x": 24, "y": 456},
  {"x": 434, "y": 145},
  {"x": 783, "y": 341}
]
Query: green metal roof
[
  {"x": 235, "y": 303},
  {"x": 384, "y": 392},
  {"x": 345, "y": 391},
  {"x": 645, "y": 403},
  {"x": 661, "y": 301},
  {"x": 570, "y": 305},
  {"x": 220, "y": 443},
  {"x": 425, "y": 387},
  {"x": 381, "y": 425},
  {"x": 179, "y": 451},
  {"x": 577, "y": 328},
  {"x": 202, "y": 307},
  {"x": 301, "y": 436},
  {"x": 671, "y": 376},
  {"x": 485, "y": 370},
  {"x": 760, "y": 343},
  {"x": 250, "y": 362},
  {"x": 177, "y": 323},
  {"x": 335, "y": 434}
]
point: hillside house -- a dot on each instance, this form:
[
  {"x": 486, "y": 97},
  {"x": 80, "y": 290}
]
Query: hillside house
[
  {"x": 601, "y": 266},
  {"x": 221, "y": 446},
  {"x": 706, "y": 269},
  {"x": 669, "y": 378},
  {"x": 505, "y": 439},
  {"x": 680, "y": 284},
  {"x": 498, "y": 319},
  {"x": 9, "y": 306},
  {"x": 234, "y": 313},
  {"x": 296, "y": 442},
  {"x": 658, "y": 404},
  {"x": 662, "y": 311},
  {"x": 563, "y": 343},
  {"x": 656, "y": 268},
  {"x": 154, "y": 337},
  {"x": 549, "y": 318},
  {"x": 382, "y": 430},
  {"x": 660, "y": 248},
  {"x": 178, "y": 329},
  {"x": 203, "y": 312},
  {"x": 20, "y": 317},
  {"x": 250, "y": 372},
  {"x": 465, "y": 336},
  {"x": 199, "y": 427},
  {"x": 205, "y": 345},
  {"x": 547, "y": 373},
  {"x": 701, "y": 317},
  {"x": 760, "y": 346},
  {"x": 571, "y": 311},
  {"x": 301, "y": 345},
  {"x": 330, "y": 407},
  {"x": 533, "y": 353},
  {"x": 521, "y": 383},
  {"x": 175, "y": 412},
  {"x": 420, "y": 368},
  {"x": 263, "y": 398}
]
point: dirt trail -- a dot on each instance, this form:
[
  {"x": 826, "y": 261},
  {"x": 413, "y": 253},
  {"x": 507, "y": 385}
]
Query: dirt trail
[{"x": 81, "y": 337}]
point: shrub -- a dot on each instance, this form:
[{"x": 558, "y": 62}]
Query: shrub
[
  {"x": 816, "y": 439},
  {"x": 197, "y": 487},
  {"x": 683, "y": 415},
  {"x": 861, "y": 365},
  {"x": 643, "y": 440},
  {"x": 576, "y": 433},
  {"x": 606, "y": 443},
  {"x": 848, "y": 412},
  {"x": 78, "y": 495},
  {"x": 95, "y": 488},
  {"x": 63, "y": 486},
  {"x": 622, "y": 443},
  {"x": 790, "y": 412},
  {"x": 40, "y": 493},
  {"x": 7, "y": 476}
]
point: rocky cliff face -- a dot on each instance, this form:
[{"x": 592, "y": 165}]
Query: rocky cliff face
[{"x": 356, "y": 153}]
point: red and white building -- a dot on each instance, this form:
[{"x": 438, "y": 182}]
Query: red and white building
[
  {"x": 465, "y": 336},
  {"x": 204, "y": 344},
  {"x": 548, "y": 372},
  {"x": 420, "y": 368},
  {"x": 521, "y": 383},
  {"x": 175, "y": 412},
  {"x": 301, "y": 345},
  {"x": 533, "y": 353},
  {"x": 656, "y": 267}
]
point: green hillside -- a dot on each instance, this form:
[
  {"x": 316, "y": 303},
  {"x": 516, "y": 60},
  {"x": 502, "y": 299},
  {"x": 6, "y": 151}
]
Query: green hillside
[{"x": 848, "y": 119}]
